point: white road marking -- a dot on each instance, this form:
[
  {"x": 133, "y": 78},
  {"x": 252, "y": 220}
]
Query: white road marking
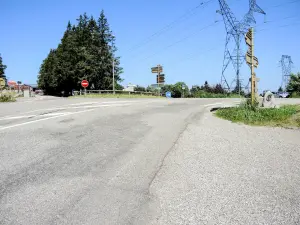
[
  {"x": 54, "y": 115},
  {"x": 48, "y": 118},
  {"x": 17, "y": 117},
  {"x": 84, "y": 103},
  {"x": 96, "y": 106},
  {"x": 62, "y": 108},
  {"x": 90, "y": 103},
  {"x": 217, "y": 103}
]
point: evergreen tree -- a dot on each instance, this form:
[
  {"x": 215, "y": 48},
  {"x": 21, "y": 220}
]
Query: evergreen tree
[
  {"x": 85, "y": 52},
  {"x": 2, "y": 69}
]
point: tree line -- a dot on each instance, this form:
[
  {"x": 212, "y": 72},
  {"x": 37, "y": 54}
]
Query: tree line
[
  {"x": 180, "y": 89},
  {"x": 2, "y": 69},
  {"x": 86, "y": 51}
]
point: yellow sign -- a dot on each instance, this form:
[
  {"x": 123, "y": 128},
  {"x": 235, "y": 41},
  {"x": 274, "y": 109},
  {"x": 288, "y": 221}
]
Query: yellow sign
[
  {"x": 248, "y": 60},
  {"x": 2, "y": 83}
]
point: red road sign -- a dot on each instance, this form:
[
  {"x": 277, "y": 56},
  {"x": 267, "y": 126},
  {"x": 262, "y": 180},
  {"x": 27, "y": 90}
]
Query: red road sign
[{"x": 84, "y": 83}]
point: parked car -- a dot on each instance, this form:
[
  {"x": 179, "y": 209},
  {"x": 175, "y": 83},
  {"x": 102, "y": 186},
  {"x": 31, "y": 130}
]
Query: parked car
[{"x": 283, "y": 94}]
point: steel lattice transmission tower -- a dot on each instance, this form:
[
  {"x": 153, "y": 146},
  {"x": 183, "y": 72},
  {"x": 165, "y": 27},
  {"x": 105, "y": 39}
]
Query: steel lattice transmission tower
[
  {"x": 286, "y": 66},
  {"x": 235, "y": 32}
]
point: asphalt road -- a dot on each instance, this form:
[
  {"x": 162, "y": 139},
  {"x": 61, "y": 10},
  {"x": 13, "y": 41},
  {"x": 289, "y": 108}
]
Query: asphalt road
[{"x": 143, "y": 161}]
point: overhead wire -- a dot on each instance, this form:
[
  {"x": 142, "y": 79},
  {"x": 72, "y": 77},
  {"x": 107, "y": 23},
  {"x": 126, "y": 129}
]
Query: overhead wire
[
  {"x": 281, "y": 4},
  {"x": 182, "y": 39},
  {"x": 181, "y": 18}
]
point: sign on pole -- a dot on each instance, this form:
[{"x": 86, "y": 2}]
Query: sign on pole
[
  {"x": 157, "y": 69},
  {"x": 84, "y": 83},
  {"x": 168, "y": 94},
  {"x": 248, "y": 60}
]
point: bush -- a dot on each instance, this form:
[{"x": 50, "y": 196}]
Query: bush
[
  {"x": 7, "y": 98},
  {"x": 295, "y": 95},
  {"x": 205, "y": 94}
]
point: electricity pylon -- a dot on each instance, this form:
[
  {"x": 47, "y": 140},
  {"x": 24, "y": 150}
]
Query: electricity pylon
[
  {"x": 235, "y": 32},
  {"x": 286, "y": 66}
]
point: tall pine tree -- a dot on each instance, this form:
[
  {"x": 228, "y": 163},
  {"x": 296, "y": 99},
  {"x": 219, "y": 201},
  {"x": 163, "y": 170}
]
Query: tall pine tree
[
  {"x": 2, "y": 69},
  {"x": 85, "y": 52}
]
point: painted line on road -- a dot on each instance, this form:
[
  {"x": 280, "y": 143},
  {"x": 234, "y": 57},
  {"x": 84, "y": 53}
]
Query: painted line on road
[
  {"x": 17, "y": 117},
  {"x": 48, "y": 118},
  {"x": 30, "y": 116},
  {"x": 114, "y": 102},
  {"x": 217, "y": 103},
  {"x": 62, "y": 108},
  {"x": 84, "y": 103},
  {"x": 56, "y": 115}
]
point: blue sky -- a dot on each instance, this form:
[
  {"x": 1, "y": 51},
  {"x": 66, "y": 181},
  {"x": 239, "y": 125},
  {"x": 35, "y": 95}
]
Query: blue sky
[{"x": 187, "y": 52}]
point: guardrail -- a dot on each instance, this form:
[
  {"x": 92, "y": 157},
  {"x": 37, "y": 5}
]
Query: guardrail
[{"x": 100, "y": 92}]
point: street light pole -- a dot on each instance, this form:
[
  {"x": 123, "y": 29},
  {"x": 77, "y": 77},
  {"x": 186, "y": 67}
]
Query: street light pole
[{"x": 113, "y": 64}]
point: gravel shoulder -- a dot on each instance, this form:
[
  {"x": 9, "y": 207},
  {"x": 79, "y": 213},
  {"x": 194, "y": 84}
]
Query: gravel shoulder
[{"x": 225, "y": 173}]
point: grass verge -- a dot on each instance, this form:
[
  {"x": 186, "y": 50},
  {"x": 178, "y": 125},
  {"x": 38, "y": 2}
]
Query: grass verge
[
  {"x": 7, "y": 98},
  {"x": 285, "y": 116},
  {"x": 114, "y": 96}
]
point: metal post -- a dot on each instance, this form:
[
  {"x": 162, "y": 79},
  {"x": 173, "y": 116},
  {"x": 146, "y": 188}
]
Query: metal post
[
  {"x": 253, "y": 78},
  {"x": 113, "y": 65},
  {"x": 114, "y": 76}
]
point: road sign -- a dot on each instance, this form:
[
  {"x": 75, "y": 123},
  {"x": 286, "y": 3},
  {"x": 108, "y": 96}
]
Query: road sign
[
  {"x": 157, "y": 69},
  {"x": 248, "y": 38},
  {"x": 84, "y": 83},
  {"x": 248, "y": 60},
  {"x": 257, "y": 79},
  {"x": 161, "y": 79},
  {"x": 2, "y": 83},
  {"x": 168, "y": 94}
]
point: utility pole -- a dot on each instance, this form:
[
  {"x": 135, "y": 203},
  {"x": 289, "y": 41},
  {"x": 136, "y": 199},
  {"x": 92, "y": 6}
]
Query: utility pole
[
  {"x": 252, "y": 61},
  {"x": 113, "y": 64},
  {"x": 253, "y": 77}
]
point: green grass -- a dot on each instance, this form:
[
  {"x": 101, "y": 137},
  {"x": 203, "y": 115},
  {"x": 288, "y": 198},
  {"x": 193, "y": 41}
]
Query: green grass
[
  {"x": 203, "y": 94},
  {"x": 285, "y": 116},
  {"x": 115, "y": 96},
  {"x": 7, "y": 98}
]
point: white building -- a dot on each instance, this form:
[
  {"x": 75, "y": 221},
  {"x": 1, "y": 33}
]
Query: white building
[{"x": 130, "y": 87}]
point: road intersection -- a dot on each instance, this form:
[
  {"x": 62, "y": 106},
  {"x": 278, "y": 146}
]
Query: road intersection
[{"x": 143, "y": 161}]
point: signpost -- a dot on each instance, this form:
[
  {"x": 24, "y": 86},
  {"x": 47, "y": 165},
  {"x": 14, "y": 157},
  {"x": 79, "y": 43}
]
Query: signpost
[
  {"x": 183, "y": 88},
  {"x": 252, "y": 61},
  {"x": 160, "y": 78},
  {"x": 84, "y": 84}
]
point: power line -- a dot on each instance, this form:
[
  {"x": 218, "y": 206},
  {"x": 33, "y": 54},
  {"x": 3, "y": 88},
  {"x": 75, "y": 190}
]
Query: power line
[
  {"x": 274, "y": 6},
  {"x": 279, "y": 26},
  {"x": 171, "y": 25},
  {"x": 193, "y": 56},
  {"x": 181, "y": 40}
]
